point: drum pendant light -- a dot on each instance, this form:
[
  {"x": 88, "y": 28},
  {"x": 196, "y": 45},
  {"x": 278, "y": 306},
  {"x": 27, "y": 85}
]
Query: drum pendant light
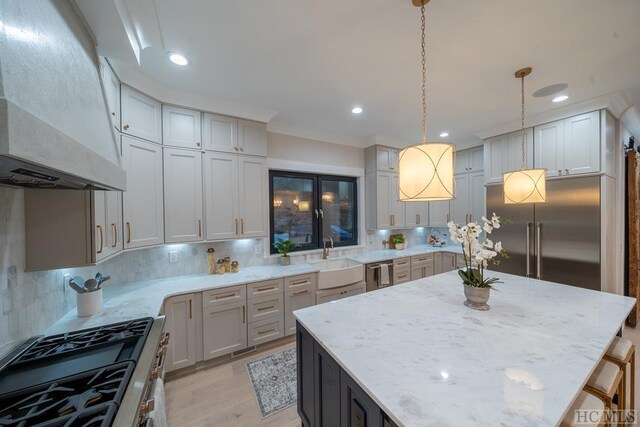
[
  {"x": 425, "y": 171},
  {"x": 524, "y": 185}
]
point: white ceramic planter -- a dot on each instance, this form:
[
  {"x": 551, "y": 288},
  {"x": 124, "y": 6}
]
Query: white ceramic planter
[{"x": 89, "y": 303}]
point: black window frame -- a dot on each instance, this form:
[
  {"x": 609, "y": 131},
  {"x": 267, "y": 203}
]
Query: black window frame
[{"x": 317, "y": 223}]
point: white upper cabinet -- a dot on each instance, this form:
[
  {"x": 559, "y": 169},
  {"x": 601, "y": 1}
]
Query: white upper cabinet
[
  {"x": 469, "y": 160},
  {"x": 220, "y": 133},
  {"x": 477, "y": 196},
  {"x": 112, "y": 92},
  {"x": 181, "y": 127},
  {"x": 548, "y": 150},
  {"x": 383, "y": 208},
  {"x": 416, "y": 214},
  {"x": 143, "y": 201},
  {"x": 141, "y": 115},
  {"x": 503, "y": 153},
  {"x": 107, "y": 207},
  {"x": 221, "y": 195},
  {"x": 386, "y": 159},
  {"x": 459, "y": 207},
  {"x": 252, "y": 138},
  {"x": 183, "y": 213},
  {"x": 582, "y": 144},
  {"x": 439, "y": 213},
  {"x": 253, "y": 196}
]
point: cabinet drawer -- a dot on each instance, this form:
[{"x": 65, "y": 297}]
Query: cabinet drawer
[
  {"x": 420, "y": 260},
  {"x": 265, "y": 330},
  {"x": 224, "y": 296},
  {"x": 401, "y": 263},
  {"x": 260, "y": 289},
  {"x": 299, "y": 282},
  {"x": 401, "y": 276},
  {"x": 339, "y": 293},
  {"x": 264, "y": 307}
]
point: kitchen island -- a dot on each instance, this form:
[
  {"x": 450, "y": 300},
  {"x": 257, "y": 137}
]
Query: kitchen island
[{"x": 414, "y": 355}]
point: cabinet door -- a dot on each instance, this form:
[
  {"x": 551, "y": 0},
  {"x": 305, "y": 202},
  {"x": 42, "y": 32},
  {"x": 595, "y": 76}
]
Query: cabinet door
[
  {"x": 503, "y": 153},
  {"x": 357, "y": 409},
  {"x": 181, "y": 127},
  {"x": 220, "y": 133},
  {"x": 180, "y": 324},
  {"x": 548, "y": 149},
  {"x": 382, "y": 183},
  {"x": 326, "y": 388},
  {"x": 416, "y": 214},
  {"x": 476, "y": 158},
  {"x": 512, "y": 152},
  {"x": 296, "y": 300},
  {"x": 387, "y": 159},
  {"x": 100, "y": 225},
  {"x": 182, "y": 195},
  {"x": 448, "y": 261},
  {"x": 417, "y": 273},
  {"x": 112, "y": 92},
  {"x": 252, "y": 138},
  {"x": 224, "y": 329},
  {"x": 437, "y": 263},
  {"x": 439, "y": 213},
  {"x": 477, "y": 196},
  {"x": 142, "y": 203},
  {"x": 305, "y": 355},
  {"x": 221, "y": 195},
  {"x": 459, "y": 207},
  {"x": 582, "y": 144},
  {"x": 397, "y": 207},
  {"x": 141, "y": 115},
  {"x": 462, "y": 161},
  {"x": 253, "y": 196}
]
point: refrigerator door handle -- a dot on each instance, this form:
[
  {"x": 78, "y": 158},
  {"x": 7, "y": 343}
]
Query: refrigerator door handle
[
  {"x": 538, "y": 250},
  {"x": 528, "y": 256}
]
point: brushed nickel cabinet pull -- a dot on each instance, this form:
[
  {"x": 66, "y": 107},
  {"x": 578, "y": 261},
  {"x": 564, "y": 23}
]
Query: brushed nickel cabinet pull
[
  {"x": 199, "y": 228},
  {"x": 267, "y": 331},
  {"x": 125, "y": 127},
  {"x": 190, "y": 310},
  {"x": 266, "y": 308},
  {"x": 128, "y": 232},
  {"x": 115, "y": 235},
  {"x": 225, "y": 296},
  {"x": 99, "y": 227},
  {"x": 301, "y": 292}
]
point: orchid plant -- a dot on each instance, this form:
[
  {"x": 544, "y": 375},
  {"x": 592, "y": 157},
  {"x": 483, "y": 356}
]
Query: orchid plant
[{"x": 478, "y": 254}]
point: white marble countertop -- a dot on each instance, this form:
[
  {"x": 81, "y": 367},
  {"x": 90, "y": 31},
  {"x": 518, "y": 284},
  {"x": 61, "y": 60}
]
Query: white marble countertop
[
  {"x": 427, "y": 360},
  {"x": 385, "y": 254},
  {"x": 140, "y": 299}
]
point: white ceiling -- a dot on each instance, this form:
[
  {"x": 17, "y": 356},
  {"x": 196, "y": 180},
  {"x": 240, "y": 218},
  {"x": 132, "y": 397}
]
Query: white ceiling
[{"x": 306, "y": 63}]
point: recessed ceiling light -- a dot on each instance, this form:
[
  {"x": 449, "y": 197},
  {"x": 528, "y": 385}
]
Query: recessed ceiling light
[
  {"x": 444, "y": 134},
  {"x": 560, "y": 98},
  {"x": 178, "y": 58},
  {"x": 356, "y": 110}
]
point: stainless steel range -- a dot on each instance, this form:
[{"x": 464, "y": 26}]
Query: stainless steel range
[{"x": 101, "y": 376}]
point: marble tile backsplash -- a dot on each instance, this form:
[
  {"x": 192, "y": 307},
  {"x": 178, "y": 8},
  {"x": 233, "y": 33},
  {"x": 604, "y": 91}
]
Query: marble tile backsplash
[{"x": 31, "y": 301}]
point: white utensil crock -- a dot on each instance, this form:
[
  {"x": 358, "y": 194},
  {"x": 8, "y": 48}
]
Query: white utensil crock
[{"x": 89, "y": 303}]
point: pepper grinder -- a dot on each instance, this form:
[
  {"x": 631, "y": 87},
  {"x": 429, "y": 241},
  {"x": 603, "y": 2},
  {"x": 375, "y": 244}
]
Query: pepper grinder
[{"x": 211, "y": 258}]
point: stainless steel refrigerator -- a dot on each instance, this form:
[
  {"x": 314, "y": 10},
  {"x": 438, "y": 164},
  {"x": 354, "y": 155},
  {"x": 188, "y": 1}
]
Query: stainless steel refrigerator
[{"x": 558, "y": 241}]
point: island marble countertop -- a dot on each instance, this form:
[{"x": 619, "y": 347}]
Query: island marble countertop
[{"x": 427, "y": 360}]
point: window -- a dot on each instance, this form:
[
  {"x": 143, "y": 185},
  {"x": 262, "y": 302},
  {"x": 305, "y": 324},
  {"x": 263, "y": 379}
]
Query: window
[{"x": 305, "y": 208}]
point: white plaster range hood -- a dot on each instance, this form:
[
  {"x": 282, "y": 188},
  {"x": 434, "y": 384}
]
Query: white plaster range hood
[{"x": 55, "y": 130}]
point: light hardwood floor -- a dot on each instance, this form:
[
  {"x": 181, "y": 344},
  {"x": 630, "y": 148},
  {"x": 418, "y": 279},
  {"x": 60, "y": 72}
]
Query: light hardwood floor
[{"x": 223, "y": 396}]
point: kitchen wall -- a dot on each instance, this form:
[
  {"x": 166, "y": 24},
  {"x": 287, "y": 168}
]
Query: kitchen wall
[{"x": 31, "y": 301}]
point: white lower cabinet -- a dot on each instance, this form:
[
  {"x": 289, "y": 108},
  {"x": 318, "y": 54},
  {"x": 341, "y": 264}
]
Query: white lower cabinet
[
  {"x": 299, "y": 293},
  {"x": 422, "y": 266},
  {"x": 180, "y": 323},
  {"x": 448, "y": 262},
  {"x": 266, "y": 311},
  {"x": 266, "y": 330},
  {"x": 224, "y": 329},
  {"x": 334, "y": 294}
]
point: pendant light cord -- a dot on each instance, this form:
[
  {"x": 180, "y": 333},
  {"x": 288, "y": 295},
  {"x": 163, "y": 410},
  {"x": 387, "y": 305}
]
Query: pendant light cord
[
  {"x": 524, "y": 134},
  {"x": 424, "y": 79}
]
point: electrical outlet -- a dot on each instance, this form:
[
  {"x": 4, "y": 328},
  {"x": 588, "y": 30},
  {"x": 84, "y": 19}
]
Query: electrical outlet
[
  {"x": 173, "y": 256},
  {"x": 65, "y": 281},
  {"x": 258, "y": 249}
]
